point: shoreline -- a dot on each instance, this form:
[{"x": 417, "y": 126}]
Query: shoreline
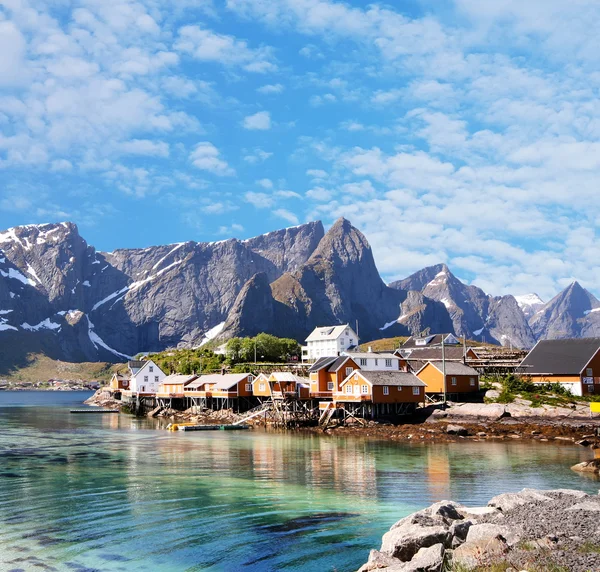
[{"x": 534, "y": 530}]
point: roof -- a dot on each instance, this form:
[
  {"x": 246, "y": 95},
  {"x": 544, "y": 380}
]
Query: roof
[
  {"x": 135, "y": 365},
  {"x": 432, "y": 340},
  {"x": 328, "y": 333},
  {"x": 178, "y": 379},
  {"x": 382, "y": 355},
  {"x": 434, "y": 353},
  {"x": 221, "y": 381},
  {"x": 556, "y": 357},
  {"x": 339, "y": 362},
  {"x": 288, "y": 376},
  {"x": 400, "y": 378},
  {"x": 454, "y": 368},
  {"x": 322, "y": 363}
]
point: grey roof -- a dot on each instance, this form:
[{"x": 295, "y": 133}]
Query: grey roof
[
  {"x": 322, "y": 363},
  {"x": 560, "y": 357},
  {"x": 221, "y": 381},
  {"x": 377, "y": 355},
  {"x": 431, "y": 340},
  {"x": 177, "y": 378},
  {"x": 135, "y": 365},
  {"x": 339, "y": 362},
  {"x": 401, "y": 378},
  {"x": 454, "y": 368}
]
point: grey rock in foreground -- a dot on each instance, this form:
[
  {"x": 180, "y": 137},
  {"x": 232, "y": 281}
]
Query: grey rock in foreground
[{"x": 530, "y": 530}]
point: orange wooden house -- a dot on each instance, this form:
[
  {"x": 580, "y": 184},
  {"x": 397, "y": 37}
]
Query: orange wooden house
[
  {"x": 460, "y": 378},
  {"x": 574, "y": 363},
  {"x": 327, "y": 373},
  {"x": 222, "y": 391},
  {"x": 173, "y": 385},
  {"x": 280, "y": 384},
  {"x": 384, "y": 392}
]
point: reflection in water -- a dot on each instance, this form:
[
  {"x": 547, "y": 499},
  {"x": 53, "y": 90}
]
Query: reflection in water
[{"x": 110, "y": 492}]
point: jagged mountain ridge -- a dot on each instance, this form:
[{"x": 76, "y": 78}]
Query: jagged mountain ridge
[{"x": 60, "y": 296}]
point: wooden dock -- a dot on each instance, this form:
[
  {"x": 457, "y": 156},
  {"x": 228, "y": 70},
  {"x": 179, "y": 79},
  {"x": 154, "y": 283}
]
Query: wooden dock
[{"x": 94, "y": 410}]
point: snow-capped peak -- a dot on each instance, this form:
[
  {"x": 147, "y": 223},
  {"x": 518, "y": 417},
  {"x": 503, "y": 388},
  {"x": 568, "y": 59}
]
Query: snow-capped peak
[{"x": 528, "y": 300}]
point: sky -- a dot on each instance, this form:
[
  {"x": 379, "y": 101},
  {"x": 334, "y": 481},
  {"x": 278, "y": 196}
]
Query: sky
[{"x": 456, "y": 131}]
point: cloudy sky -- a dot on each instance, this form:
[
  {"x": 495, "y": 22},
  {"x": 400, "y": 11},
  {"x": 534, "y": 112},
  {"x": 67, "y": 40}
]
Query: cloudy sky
[{"x": 463, "y": 131}]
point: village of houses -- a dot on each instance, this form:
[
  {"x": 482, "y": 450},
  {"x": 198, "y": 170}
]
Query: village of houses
[{"x": 335, "y": 379}]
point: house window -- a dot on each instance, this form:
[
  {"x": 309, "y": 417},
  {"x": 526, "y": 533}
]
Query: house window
[
  {"x": 589, "y": 372},
  {"x": 151, "y": 369},
  {"x": 143, "y": 388},
  {"x": 145, "y": 379},
  {"x": 472, "y": 381},
  {"x": 364, "y": 389},
  {"x": 590, "y": 389},
  {"x": 388, "y": 363},
  {"x": 453, "y": 381},
  {"x": 386, "y": 390},
  {"x": 330, "y": 386},
  {"x": 415, "y": 391},
  {"x": 363, "y": 361},
  {"x": 376, "y": 361},
  {"x": 261, "y": 386},
  {"x": 248, "y": 387},
  {"x": 250, "y": 378},
  {"x": 349, "y": 370},
  {"x": 156, "y": 378},
  {"x": 399, "y": 388},
  {"x": 348, "y": 388},
  {"x": 357, "y": 390}
]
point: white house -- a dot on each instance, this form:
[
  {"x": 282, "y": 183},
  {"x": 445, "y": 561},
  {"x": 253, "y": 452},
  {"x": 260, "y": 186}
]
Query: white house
[
  {"x": 371, "y": 361},
  {"x": 146, "y": 376},
  {"x": 328, "y": 341}
]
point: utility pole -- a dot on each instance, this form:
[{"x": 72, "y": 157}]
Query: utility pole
[
  {"x": 444, "y": 368},
  {"x": 255, "y": 350}
]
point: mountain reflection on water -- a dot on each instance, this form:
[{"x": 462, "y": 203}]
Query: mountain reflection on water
[{"x": 111, "y": 492}]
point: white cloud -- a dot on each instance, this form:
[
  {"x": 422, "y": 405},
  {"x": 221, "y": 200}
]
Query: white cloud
[
  {"x": 320, "y": 194},
  {"x": 265, "y": 183},
  {"x": 271, "y": 89},
  {"x": 259, "y": 200},
  {"x": 206, "y": 45},
  {"x": 286, "y": 215},
  {"x": 352, "y": 126},
  {"x": 257, "y": 155},
  {"x": 61, "y": 166},
  {"x": 13, "y": 68},
  {"x": 288, "y": 194},
  {"x": 206, "y": 157},
  {"x": 317, "y": 173},
  {"x": 145, "y": 147},
  {"x": 260, "y": 121},
  {"x": 230, "y": 230}
]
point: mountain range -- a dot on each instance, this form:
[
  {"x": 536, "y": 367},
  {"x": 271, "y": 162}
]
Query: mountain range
[{"x": 61, "y": 297}]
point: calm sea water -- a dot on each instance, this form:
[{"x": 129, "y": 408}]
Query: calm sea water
[{"x": 110, "y": 492}]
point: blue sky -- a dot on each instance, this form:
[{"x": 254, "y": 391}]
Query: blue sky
[{"x": 464, "y": 131}]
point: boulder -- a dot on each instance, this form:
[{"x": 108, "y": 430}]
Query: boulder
[
  {"x": 489, "y": 531},
  {"x": 457, "y": 430},
  {"x": 403, "y": 542},
  {"x": 430, "y": 559},
  {"x": 508, "y": 501},
  {"x": 377, "y": 560},
  {"x": 592, "y": 466},
  {"x": 476, "y": 554},
  {"x": 479, "y": 511},
  {"x": 459, "y": 530}
]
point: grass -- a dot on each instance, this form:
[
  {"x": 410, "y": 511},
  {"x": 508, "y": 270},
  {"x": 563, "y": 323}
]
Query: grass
[
  {"x": 589, "y": 547},
  {"x": 513, "y": 387},
  {"x": 384, "y": 344},
  {"x": 504, "y": 565},
  {"x": 42, "y": 368}
]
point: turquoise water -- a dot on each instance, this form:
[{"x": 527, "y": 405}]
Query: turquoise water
[{"x": 110, "y": 492}]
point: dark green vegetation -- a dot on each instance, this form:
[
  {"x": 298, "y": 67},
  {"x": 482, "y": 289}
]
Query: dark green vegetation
[
  {"x": 239, "y": 352},
  {"x": 513, "y": 386}
]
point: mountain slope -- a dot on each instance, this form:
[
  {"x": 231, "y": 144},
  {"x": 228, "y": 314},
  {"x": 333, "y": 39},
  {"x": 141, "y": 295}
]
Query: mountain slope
[
  {"x": 573, "y": 313},
  {"x": 339, "y": 283}
]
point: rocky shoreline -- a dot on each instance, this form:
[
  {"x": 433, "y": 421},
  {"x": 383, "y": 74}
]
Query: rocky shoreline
[{"x": 557, "y": 530}]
